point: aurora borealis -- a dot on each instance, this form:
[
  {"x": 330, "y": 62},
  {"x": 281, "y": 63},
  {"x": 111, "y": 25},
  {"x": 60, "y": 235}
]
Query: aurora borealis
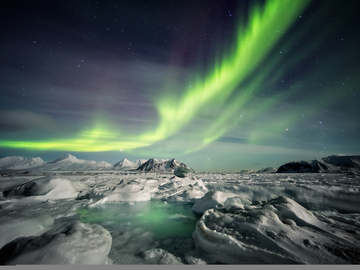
[{"x": 219, "y": 85}]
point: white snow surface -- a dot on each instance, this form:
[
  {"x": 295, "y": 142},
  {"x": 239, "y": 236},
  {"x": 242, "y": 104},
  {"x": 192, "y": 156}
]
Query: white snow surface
[
  {"x": 278, "y": 232},
  {"x": 243, "y": 218},
  {"x": 211, "y": 200},
  {"x": 128, "y": 193},
  {"x": 43, "y": 189},
  {"x": 12, "y": 228}
]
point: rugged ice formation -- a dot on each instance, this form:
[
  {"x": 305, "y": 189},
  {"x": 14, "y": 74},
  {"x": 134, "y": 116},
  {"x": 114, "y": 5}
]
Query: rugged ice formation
[
  {"x": 211, "y": 200},
  {"x": 43, "y": 189},
  {"x": 160, "y": 256},
  {"x": 173, "y": 190},
  {"x": 279, "y": 231},
  {"x": 139, "y": 218},
  {"x": 132, "y": 192},
  {"x": 181, "y": 190},
  {"x": 13, "y": 227},
  {"x": 183, "y": 172},
  {"x": 65, "y": 243}
]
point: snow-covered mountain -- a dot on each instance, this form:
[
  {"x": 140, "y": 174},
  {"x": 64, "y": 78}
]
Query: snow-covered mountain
[
  {"x": 127, "y": 164},
  {"x": 17, "y": 162},
  {"x": 139, "y": 162},
  {"x": 71, "y": 163},
  {"x": 267, "y": 170},
  {"x": 67, "y": 158},
  {"x": 250, "y": 171},
  {"x": 124, "y": 163},
  {"x": 161, "y": 165},
  {"x": 330, "y": 164}
]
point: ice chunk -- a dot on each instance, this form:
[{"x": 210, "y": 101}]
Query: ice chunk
[
  {"x": 182, "y": 171},
  {"x": 185, "y": 194},
  {"x": 128, "y": 193},
  {"x": 290, "y": 222},
  {"x": 197, "y": 256},
  {"x": 160, "y": 256},
  {"x": 13, "y": 227},
  {"x": 44, "y": 188},
  {"x": 66, "y": 243},
  {"x": 289, "y": 209},
  {"x": 210, "y": 200},
  {"x": 181, "y": 189},
  {"x": 61, "y": 189},
  {"x": 235, "y": 203}
]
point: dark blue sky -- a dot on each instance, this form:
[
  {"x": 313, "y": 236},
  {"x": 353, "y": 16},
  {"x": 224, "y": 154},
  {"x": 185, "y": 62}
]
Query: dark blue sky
[{"x": 106, "y": 80}]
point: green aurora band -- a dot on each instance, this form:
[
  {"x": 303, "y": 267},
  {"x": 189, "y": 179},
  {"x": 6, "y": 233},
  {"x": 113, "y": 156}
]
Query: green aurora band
[{"x": 228, "y": 88}]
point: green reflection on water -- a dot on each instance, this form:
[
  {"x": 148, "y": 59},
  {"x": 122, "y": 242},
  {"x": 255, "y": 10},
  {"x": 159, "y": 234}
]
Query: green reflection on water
[{"x": 161, "y": 219}]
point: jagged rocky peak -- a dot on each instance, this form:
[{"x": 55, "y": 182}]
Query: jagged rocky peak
[{"x": 161, "y": 165}]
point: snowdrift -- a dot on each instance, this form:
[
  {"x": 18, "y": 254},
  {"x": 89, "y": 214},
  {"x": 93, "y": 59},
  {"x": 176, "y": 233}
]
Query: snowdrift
[
  {"x": 279, "y": 231},
  {"x": 128, "y": 193},
  {"x": 12, "y": 228},
  {"x": 65, "y": 243},
  {"x": 47, "y": 188}
]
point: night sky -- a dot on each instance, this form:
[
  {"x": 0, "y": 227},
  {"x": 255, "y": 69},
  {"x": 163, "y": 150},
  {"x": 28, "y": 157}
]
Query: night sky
[{"x": 217, "y": 84}]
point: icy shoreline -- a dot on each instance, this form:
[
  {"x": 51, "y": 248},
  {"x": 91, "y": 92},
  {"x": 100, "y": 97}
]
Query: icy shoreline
[{"x": 278, "y": 218}]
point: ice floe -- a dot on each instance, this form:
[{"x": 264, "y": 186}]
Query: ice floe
[{"x": 240, "y": 218}]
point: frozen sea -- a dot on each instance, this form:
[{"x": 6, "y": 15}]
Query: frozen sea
[{"x": 113, "y": 217}]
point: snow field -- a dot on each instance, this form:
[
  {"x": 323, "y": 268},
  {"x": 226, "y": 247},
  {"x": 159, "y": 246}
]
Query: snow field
[
  {"x": 281, "y": 232},
  {"x": 244, "y": 218}
]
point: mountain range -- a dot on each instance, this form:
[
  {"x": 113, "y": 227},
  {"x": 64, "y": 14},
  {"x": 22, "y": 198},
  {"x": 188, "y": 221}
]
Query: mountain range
[
  {"x": 71, "y": 163},
  {"x": 330, "y": 164},
  {"x": 68, "y": 162}
]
